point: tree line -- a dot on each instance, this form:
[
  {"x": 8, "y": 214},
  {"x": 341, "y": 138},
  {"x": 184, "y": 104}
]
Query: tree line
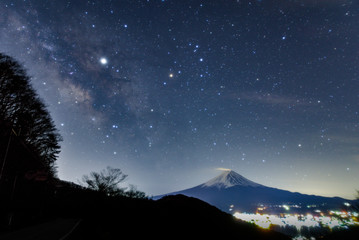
[{"x": 24, "y": 115}]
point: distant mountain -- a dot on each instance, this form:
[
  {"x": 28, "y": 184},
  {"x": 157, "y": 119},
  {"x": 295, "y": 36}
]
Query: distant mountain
[{"x": 232, "y": 192}]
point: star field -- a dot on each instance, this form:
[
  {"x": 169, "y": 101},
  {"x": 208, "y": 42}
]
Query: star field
[{"x": 170, "y": 90}]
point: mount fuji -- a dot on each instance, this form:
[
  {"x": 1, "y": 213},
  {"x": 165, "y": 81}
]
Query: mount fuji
[{"x": 231, "y": 192}]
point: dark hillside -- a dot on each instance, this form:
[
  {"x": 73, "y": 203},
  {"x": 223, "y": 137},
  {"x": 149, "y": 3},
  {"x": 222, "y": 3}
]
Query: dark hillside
[
  {"x": 173, "y": 216},
  {"x": 103, "y": 217}
]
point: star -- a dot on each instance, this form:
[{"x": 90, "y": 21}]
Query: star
[{"x": 103, "y": 61}]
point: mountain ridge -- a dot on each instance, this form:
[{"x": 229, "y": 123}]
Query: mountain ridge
[{"x": 230, "y": 190}]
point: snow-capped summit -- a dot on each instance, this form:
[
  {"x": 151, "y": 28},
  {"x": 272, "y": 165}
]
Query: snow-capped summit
[{"x": 228, "y": 179}]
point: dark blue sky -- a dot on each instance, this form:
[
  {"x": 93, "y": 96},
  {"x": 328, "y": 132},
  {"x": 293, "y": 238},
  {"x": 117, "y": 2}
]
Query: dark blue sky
[{"x": 168, "y": 91}]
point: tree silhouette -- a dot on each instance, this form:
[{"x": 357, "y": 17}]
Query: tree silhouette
[
  {"x": 107, "y": 181},
  {"x": 134, "y": 193},
  {"x": 23, "y": 113}
]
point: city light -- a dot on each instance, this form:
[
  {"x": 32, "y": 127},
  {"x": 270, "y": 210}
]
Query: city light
[
  {"x": 286, "y": 207},
  {"x": 331, "y": 220}
]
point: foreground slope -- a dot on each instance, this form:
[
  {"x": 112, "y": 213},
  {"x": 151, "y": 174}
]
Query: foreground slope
[
  {"x": 176, "y": 216},
  {"x": 97, "y": 216}
]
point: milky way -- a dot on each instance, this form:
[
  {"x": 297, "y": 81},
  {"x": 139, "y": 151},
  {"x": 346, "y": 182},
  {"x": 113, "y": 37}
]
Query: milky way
[{"x": 168, "y": 91}]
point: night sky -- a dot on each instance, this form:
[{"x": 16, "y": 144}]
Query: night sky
[{"x": 168, "y": 91}]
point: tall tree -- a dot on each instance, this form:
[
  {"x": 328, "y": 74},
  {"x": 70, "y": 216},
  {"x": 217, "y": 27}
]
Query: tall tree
[{"x": 23, "y": 112}]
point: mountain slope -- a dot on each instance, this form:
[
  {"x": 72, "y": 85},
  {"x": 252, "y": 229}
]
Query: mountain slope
[{"x": 232, "y": 191}]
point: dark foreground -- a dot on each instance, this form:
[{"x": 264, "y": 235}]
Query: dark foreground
[
  {"x": 175, "y": 216},
  {"x": 70, "y": 213},
  {"x": 59, "y": 229},
  {"x": 74, "y": 213}
]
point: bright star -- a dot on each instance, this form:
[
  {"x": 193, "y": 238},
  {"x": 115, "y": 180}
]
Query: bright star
[{"x": 103, "y": 61}]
